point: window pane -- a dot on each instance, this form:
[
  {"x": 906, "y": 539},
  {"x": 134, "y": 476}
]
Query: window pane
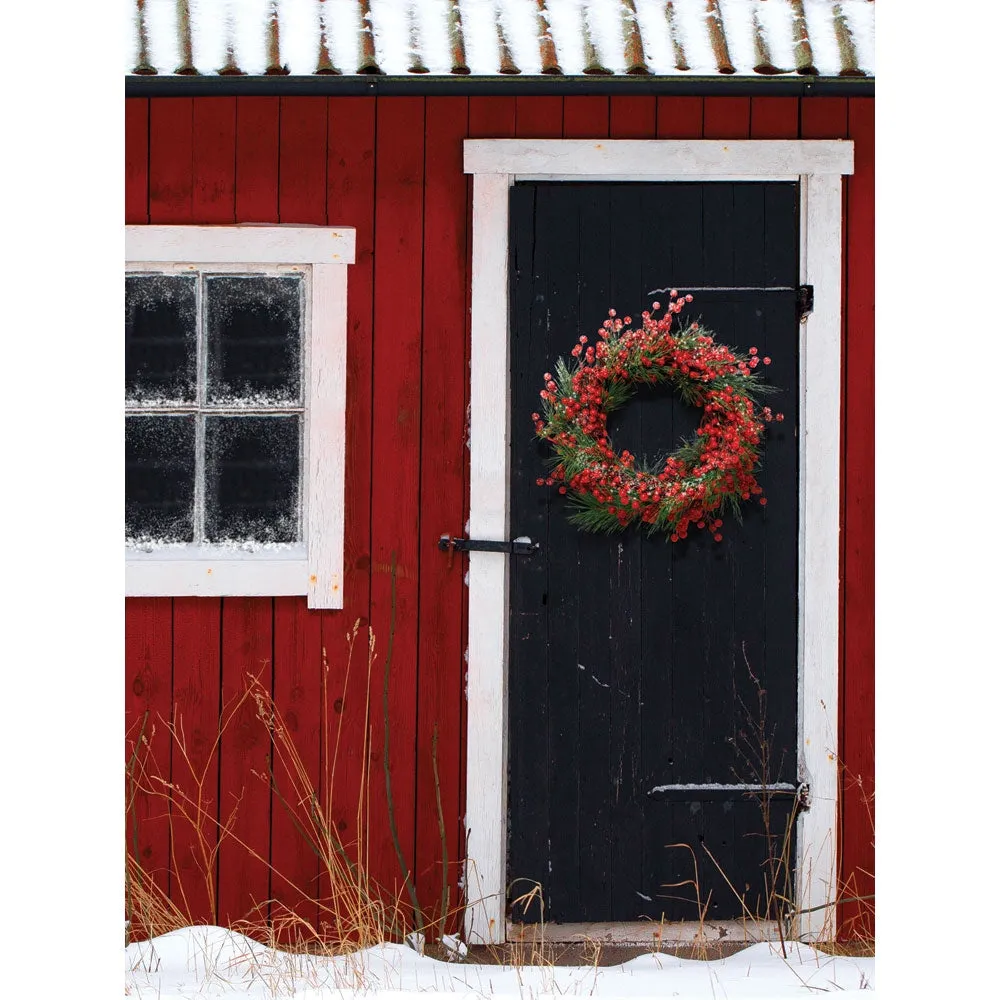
[
  {"x": 252, "y": 479},
  {"x": 159, "y": 479},
  {"x": 254, "y": 339},
  {"x": 160, "y": 338}
]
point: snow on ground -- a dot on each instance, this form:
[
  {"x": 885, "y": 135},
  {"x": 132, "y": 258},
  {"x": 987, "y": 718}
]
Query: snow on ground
[{"x": 199, "y": 962}]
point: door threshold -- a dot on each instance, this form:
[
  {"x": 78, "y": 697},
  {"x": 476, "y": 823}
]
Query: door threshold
[{"x": 646, "y": 932}]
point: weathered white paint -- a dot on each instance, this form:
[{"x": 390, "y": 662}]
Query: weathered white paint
[
  {"x": 227, "y": 574},
  {"x": 316, "y": 569},
  {"x": 496, "y": 164},
  {"x": 819, "y": 548},
  {"x": 658, "y": 159},
  {"x": 326, "y": 413},
  {"x": 486, "y": 796},
  {"x": 245, "y": 244},
  {"x": 648, "y": 933}
]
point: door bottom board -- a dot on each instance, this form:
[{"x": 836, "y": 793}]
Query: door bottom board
[{"x": 646, "y": 932}]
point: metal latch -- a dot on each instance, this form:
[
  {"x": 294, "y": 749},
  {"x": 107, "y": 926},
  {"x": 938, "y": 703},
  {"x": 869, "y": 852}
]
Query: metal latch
[
  {"x": 719, "y": 791},
  {"x": 516, "y": 547},
  {"x": 803, "y": 301}
]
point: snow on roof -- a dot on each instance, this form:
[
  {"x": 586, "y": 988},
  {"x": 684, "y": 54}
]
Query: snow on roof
[{"x": 829, "y": 38}]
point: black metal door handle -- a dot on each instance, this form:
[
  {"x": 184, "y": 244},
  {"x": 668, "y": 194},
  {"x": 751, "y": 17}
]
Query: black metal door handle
[{"x": 515, "y": 547}]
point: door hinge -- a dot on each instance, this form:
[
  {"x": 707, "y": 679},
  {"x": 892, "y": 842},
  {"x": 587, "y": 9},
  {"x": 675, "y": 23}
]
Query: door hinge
[{"x": 803, "y": 302}]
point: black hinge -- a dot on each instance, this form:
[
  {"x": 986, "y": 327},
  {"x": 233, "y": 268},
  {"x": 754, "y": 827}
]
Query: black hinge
[
  {"x": 516, "y": 547},
  {"x": 803, "y": 301}
]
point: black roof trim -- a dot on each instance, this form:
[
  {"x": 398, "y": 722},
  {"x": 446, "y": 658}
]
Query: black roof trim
[{"x": 501, "y": 86}]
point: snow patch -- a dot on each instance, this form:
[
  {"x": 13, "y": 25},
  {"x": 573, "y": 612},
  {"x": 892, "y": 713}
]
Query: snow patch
[
  {"x": 209, "y": 34},
  {"x": 692, "y": 32},
  {"x": 656, "y": 41},
  {"x": 479, "y": 29},
  {"x": 776, "y": 19},
  {"x": 566, "y": 29},
  {"x": 250, "y": 35},
  {"x": 860, "y": 17},
  {"x": 606, "y": 31},
  {"x": 432, "y": 33},
  {"x": 161, "y": 32},
  {"x": 822, "y": 36},
  {"x": 737, "y": 20},
  {"x": 210, "y": 961},
  {"x": 299, "y": 35}
]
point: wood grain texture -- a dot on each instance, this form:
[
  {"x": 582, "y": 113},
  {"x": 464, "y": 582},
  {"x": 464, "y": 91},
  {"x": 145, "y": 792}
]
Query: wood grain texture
[
  {"x": 195, "y": 761},
  {"x": 302, "y": 160},
  {"x": 442, "y": 470},
  {"x": 257, "y": 127},
  {"x": 297, "y": 693},
  {"x": 858, "y": 691},
  {"x": 136, "y": 161},
  {"x": 633, "y": 117},
  {"x": 727, "y": 117},
  {"x": 824, "y": 118},
  {"x": 351, "y": 197},
  {"x": 170, "y": 159},
  {"x": 680, "y": 117},
  {"x": 213, "y": 194},
  {"x": 539, "y": 117},
  {"x": 148, "y": 682},
  {"x": 492, "y": 117},
  {"x": 774, "y": 117},
  {"x": 399, "y": 178},
  {"x": 244, "y": 791},
  {"x": 585, "y": 117}
]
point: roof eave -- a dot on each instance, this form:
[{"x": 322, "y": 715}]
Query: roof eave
[{"x": 679, "y": 85}]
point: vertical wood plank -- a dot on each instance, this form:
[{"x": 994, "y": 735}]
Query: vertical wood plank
[
  {"x": 593, "y": 772},
  {"x": 774, "y": 117},
  {"x": 244, "y": 793},
  {"x": 213, "y": 196},
  {"x": 302, "y": 160},
  {"x": 351, "y": 202},
  {"x": 585, "y": 117},
  {"x": 727, "y": 117},
  {"x": 257, "y": 126},
  {"x": 136, "y": 161},
  {"x": 148, "y": 630},
  {"x": 297, "y": 692},
  {"x": 170, "y": 159},
  {"x": 194, "y": 758},
  {"x": 824, "y": 118},
  {"x": 442, "y": 472},
  {"x": 680, "y": 117},
  {"x": 492, "y": 117},
  {"x": 539, "y": 117},
  {"x": 633, "y": 117},
  {"x": 858, "y": 691},
  {"x": 395, "y": 493}
]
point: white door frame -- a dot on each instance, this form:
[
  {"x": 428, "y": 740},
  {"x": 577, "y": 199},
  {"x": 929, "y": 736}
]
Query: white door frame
[{"x": 818, "y": 165}]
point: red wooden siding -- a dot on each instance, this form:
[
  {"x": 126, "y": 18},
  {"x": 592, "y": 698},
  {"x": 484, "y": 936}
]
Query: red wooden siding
[{"x": 392, "y": 169}]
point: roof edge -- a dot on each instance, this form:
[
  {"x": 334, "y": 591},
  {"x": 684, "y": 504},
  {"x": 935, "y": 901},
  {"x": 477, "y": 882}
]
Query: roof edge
[{"x": 476, "y": 86}]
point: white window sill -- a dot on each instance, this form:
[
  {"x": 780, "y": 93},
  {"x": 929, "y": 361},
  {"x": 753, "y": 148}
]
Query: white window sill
[{"x": 217, "y": 572}]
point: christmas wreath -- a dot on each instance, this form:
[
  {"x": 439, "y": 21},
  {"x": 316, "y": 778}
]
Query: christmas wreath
[{"x": 701, "y": 479}]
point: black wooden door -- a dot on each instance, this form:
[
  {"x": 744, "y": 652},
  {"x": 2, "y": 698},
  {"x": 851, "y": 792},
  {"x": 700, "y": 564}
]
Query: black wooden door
[{"x": 635, "y": 663}]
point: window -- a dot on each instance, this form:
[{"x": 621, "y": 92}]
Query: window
[{"x": 234, "y": 410}]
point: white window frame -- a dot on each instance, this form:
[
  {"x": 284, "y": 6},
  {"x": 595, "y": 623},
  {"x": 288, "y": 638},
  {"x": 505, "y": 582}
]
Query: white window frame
[
  {"x": 316, "y": 567},
  {"x": 818, "y": 166}
]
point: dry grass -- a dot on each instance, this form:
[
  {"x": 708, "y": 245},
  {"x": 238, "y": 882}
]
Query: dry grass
[{"x": 354, "y": 912}]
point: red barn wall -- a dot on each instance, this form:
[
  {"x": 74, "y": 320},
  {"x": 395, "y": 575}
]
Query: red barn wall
[{"x": 391, "y": 167}]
